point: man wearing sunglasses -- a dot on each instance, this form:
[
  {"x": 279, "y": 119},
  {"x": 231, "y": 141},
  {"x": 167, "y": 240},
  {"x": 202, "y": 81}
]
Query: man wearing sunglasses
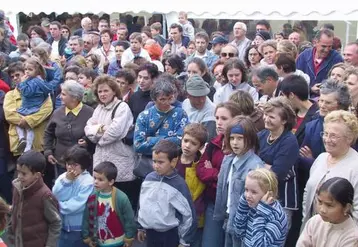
[{"x": 228, "y": 51}]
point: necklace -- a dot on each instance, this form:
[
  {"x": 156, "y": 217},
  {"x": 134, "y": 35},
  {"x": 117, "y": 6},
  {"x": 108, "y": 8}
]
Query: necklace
[{"x": 270, "y": 141}]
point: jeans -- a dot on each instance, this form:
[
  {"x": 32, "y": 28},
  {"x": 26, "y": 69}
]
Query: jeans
[
  {"x": 213, "y": 235},
  {"x": 71, "y": 239},
  {"x": 162, "y": 239},
  {"x": 232, "y": 240}
]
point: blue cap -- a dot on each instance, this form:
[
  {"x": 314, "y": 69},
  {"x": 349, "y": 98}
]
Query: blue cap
[{"x": 219, "y": 40}]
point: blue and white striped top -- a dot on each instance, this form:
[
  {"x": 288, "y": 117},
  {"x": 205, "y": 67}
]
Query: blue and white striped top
[{"x": 263, "y": 226}]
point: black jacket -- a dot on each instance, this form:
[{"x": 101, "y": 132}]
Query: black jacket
[
  {"x": 138, "y": 102},
  {"x": 310, "y": 115}
]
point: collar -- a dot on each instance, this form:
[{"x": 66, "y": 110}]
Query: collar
[
  {"x": 75, "y": 111},
  {"x": 201, "y": 56}
]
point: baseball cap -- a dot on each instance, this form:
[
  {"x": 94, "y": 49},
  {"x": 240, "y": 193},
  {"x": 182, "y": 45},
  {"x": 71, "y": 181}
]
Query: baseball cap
[
  {"x": 219, "y": 40},
  {"x": 196, "y": 86}
]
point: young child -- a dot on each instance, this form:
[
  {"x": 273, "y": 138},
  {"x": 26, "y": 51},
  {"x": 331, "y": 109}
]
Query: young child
[
  {"x": 166, "y": 214},
  {"x": 242, "y": 143},
  {"x": 108, "y": 219},
  {"x": 260, "y": 219},
  {"x": 4, "y": 210},
  {"x": 86, "y": 77},
  {"x": 188, "y": 29},
  {"x": 333, "y": 225},
  {"x": 135, "y": 50},
  {"x": 36, "y": 220},
  {"x": 72, "y": 190},
  {"x": 194, "y": 139},
  {"x": 34, "y": 91},
  {"x": 156, "y": 29}
]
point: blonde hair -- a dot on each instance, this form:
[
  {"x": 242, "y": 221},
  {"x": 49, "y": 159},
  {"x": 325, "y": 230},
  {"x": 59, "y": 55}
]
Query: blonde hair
[
  {"x": 351, "y": 70},
  {"x": 286, "y": 46},
  {"x": 266, "y": 43},
  {"x": 266, "y": 179},
  {"x": 346, "y": 118}
]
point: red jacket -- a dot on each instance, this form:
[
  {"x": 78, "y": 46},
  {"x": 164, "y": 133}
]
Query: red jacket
[
  {"x": 209, "y": 176},
  {"x": 4, "y": 87}
]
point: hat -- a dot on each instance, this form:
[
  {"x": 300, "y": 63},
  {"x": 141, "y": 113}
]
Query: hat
[
  {"x": 219, "y": 40},
  {"x": 196, "y": 86},
  {"x": 2, "y": 15},
  {"x": 45, "y": 23},
  {"x": 263, "y": 34}
]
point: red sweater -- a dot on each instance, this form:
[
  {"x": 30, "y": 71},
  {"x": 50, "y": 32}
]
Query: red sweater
[
  {"x": 4, "y": 87},
  {"x": 209, "y": 176}
]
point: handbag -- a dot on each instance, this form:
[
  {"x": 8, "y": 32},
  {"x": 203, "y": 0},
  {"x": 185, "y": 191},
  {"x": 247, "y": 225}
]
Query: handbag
[{"x": 144, "y": 164}]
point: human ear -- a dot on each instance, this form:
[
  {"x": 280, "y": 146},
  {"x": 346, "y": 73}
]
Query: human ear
[
  {"x": 111, "y": 183},
  {"x": 347, "y": 209},
  {"x": 174, "y": 162}
]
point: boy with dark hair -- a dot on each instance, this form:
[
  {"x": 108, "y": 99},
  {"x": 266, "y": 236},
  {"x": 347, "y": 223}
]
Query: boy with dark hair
[
  {"x": 126, "y": 79},
  {"x": 135, "y": 50},
  {"x": 156, "y": 29},
  {"x": 86, "y": 77},
  {"x": 108, "y": 219},
  {"x": 166, "y": 214},
  {"x": 35, "y": 217},
  {"x": 194, "y": 139},
  {"x": 72, "y": 189}
]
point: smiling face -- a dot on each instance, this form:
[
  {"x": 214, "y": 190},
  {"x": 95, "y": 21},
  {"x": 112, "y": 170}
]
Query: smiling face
[
  {"x": 253, "y": 192},
  {"x": 324, "y": 46},
  {"x": 105, "y": 94},
  {"x": 337, "y": 74},
  {"x": 273, "y": 120},
  {"x": 336, "y": 138}
]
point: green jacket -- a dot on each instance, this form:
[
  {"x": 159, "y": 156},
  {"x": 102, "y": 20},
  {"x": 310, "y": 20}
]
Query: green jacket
[{"x": 123, "y": 209}]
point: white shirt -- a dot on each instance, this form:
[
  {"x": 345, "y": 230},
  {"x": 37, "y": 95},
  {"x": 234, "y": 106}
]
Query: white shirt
[
  {"x": 55, "y": 53},
  {"x": 199, "y": 116},
  {"x": 128, "y": 56},
  {"x": 229, "y": 182},
  {"x": 224, "y": 93}
]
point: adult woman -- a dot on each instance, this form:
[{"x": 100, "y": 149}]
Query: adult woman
[
  {"x": 337, "y": 72},
  {"x": 66, "y": 125},
  {"x": 37, "y": 32},
  {"x": 174, "y": 65},
  {"x": 279, "y": 150},
  {"x": 247, "y": 108},
  {"x": 92, "y": 62},
  {"x": 252, "y": 57},
  {"x": 208, "y": 171},
  {"x": 333, "y": 96},
  {"x": 351, "y": 80},
  {"x": 65, "y": 31},
  {"x": 235, "y": 74},
  {"x": 109, "y": 124},
  {"x": 217, "y": 71},
  {"x": 161, "y": 121},
  {"x": 339, "y": 160},
  {"x": 286, "y": 46},
  {"x": 268, "y": 50},
  {"x": 107, "y": 51}
]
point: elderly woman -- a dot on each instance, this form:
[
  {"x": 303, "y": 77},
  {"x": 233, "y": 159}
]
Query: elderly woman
[
  {"x": 340, "y": 160},
  {"x": 333, "y": 96},
  {"x": 66, "y": 126},
  {"x": 337, "y": 72},
  {"x": 279, "y": 150},
  {"x": 161, "y": 121},
  {"x": 110, "y": 123}
]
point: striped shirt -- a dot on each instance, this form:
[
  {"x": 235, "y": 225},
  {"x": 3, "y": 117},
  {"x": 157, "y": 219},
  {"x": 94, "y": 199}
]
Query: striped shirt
[{"x": 263, "y": 226}]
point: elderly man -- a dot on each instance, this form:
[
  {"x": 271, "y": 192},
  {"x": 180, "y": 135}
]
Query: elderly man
[
  {"x": 350, "y": 54},
  {"x": 86, "y": 24},
  {"x": 318, "y": 61},
  {"x": 88, "y": 45},
  {"x": 198, "y": 106},
  {"x": 228, "y": 51},
  {"x": 265, "y": 80},
  {"x": 76, "y": 45},
  {"x": 240, "y": 41}
]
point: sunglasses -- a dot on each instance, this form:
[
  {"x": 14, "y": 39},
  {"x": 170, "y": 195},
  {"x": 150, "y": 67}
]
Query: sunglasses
[{"x": 224, "y": 54}]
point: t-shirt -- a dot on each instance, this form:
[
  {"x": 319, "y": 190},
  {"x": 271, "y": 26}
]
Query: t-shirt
[
  {"x": 55, "y": 53},
  {"x": 110, "y": 229},
  {"x": 299, "y": 121}
]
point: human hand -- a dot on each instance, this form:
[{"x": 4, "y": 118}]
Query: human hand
[
  {"x": 71, "y": 175},
  {"x": 268, "y": 167},
  {"x": 316, "y": 88},
  {"x": 82, "y": 142},
  {"x": 63, "y": 61},
  {"x": 51, "y": 159},
  {"x": 23, "y": 124},
  {"x": 306, "y": 152},
  {"x": 24, "y": 77},
  {"x": 268, "y": 198},
  {"x": 207, "y": 164},
  {"x": 141, "y": 236}
]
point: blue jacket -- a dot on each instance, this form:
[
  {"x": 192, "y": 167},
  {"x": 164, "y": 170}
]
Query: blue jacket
[
  {"x": 72, "y": 197},
  {"x": 166, "y": 203},
  {"x": 282, "y": 155},
  {"x": 114, "y": 67},
  {"x": 34, "y": 91},
  {"x": 244, "y": 164},
  {"x": 305, "y": 63},
  {"x": 209, "y": 59},
  {"x": 54, "y": 76}
]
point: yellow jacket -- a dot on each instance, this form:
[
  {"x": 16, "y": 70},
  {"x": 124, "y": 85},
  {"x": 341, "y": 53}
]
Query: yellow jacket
[{"x": 36, "y": 121}]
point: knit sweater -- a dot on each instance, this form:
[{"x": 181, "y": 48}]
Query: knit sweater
[
  {"x": 72, "y": 196},
  {"x": 263, "y": 226},
  {"x": 319, "y": 233}
]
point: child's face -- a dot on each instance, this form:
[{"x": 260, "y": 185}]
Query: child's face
[
  {"x": 71, "y": 166},
  {"x": 101, "y": 183},
  {"x": 162, "y": 165},
  {"x": 85, "y": 81},
  {"x": 190, "y": 145},
  {"x": 182, "y": 19},
  {"x": 331, "y": 210},
  {"x": 71, "y": 76},
  {"x": 30, "y": 70},
  {"x": 16, "y": 76},
  {"x": 135, "y": 45},
  {"x": 154, "y": 32},
  {"x": 253, "y": 192},
  {"x": 26, "y": 176},
  {"x": 237, "y": 143},
  {"x": 123, "y": 85}
]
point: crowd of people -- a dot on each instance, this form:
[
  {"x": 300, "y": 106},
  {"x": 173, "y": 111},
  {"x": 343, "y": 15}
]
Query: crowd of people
[{"x": 197, "y": 140}]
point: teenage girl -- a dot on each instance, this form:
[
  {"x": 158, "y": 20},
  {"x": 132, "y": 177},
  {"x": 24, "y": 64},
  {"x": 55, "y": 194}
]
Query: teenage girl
[
  {"x": 333, "y": 225},
  {"x": 260, "y": 219},
  {"x": 34, "y": 91},
  {"x": 242, "y": 143},
  {"x": 4, "y": 210}
]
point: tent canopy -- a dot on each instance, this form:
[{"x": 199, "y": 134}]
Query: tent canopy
[{"x": 256, "y": 9}]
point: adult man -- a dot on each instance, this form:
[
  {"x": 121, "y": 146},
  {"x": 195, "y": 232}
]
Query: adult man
[
  {"x": 217, "y": 44},
  {"x": 122, "y": 34},
  {"x": 240, "y": 40},
  {"x": 265, "y": 80},
  {"x": 22, "y": 46},
  {"x": 318, "y": 61},
  {"x": 198, "y": 106},
  {"x": 86, "y": 24},
  {"x": 177, "y": 43},
  {"x": 350, "y": 54},
  {"x": 96, "y": 38},
  {"x": 114, "y": 26},
  {"x": 228, "y": 51},
  {"x": 56, "y": 40},
  {"x": 295, "y": 38},
  {"x": 103, "y": 24},
  {"x": 201, "y": 45},
  {"x": 88, "y": 47},
  {"x": 45, "y": 25},
  {"x": 76, "y": 45},
  {"x": 263, "y": 25}
]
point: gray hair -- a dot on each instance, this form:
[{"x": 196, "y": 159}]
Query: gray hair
[
  {"x": 46, "y": 46},
  {"x": 241, "y": 25},
  {"x": 74, "y": 89},
  {"x": 85, "y": 20},
  {"x": 264, "y": 72},
  {"x": 163, "y": 85},
  {"x": 343, "y": 97},
  {"x": 75, "y": 37},
  {"x": 36, "y": 41}
]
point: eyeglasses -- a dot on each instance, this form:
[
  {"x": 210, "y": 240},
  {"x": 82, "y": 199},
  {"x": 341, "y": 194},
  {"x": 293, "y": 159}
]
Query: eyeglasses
[
  {"x": 332, "y": 137},
  {"x": 87, "y": 42},
  {"x": 224, "y": 54}
]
